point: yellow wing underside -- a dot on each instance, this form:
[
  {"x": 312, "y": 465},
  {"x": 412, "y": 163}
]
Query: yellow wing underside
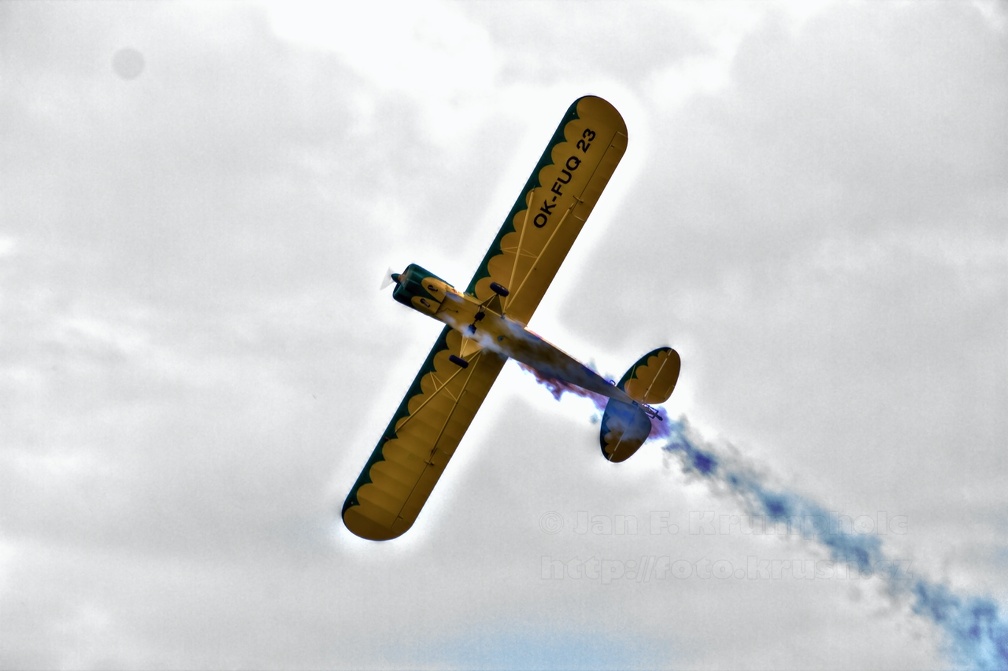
[
  {"x": 557, "y": 199},
  {"x": 420, "y": 440},
  {"x": 524, "y": 258}
]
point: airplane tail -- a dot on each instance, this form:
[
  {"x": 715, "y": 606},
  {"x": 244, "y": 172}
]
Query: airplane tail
[{"x": 625, "y": 426}]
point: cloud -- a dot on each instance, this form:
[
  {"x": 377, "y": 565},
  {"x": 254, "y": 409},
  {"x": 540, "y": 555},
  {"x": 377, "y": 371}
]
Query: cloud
[{"x": 194, "y": 356}]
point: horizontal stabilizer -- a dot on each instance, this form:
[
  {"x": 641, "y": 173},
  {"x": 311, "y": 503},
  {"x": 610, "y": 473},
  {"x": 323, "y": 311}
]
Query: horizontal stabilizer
[
  {"x": 652, "y": 379},
  {"x": 625, "y": 427}
]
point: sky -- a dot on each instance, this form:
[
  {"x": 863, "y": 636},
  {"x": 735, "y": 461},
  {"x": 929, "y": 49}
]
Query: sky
[{"x": 198, "y": 203}]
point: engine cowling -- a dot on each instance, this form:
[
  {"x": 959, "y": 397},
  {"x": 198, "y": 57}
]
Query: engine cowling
[{"x": 421, "y": 289}]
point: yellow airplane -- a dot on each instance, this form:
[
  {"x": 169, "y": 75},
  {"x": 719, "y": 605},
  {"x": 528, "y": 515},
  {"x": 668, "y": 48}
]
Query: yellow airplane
[{"x": 485, "y": 325}]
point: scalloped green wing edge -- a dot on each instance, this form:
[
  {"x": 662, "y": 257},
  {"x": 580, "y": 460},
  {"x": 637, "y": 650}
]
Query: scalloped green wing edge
[
  {"x": 402, "y": 470},
  {"x": 611, "y": 141},
  {"x": 657, "y": 371}
]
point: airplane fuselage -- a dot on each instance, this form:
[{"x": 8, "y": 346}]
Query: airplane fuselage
[{"x": 485, "y": 325}]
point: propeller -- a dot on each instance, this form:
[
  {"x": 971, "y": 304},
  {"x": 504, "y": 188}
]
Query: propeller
[{"x": 387, "y": 280}]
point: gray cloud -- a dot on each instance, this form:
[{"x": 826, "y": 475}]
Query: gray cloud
[{"x": 195, "y": 359}]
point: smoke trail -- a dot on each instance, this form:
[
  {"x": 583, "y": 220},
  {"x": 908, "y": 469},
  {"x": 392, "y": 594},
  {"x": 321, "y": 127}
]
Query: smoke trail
[{"x": 976, "y": 631}]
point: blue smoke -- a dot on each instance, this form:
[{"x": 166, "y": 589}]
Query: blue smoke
[{"x": 975, "y": 629}]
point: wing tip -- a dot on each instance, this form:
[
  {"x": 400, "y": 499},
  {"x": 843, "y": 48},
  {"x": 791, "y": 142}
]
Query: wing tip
[
  {"x": 583, "y": 107},
  {"x": 362, "y": 526}
]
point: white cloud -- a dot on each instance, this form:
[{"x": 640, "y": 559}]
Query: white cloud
[
  {"x": 811, "y": 212},
  {"x": 428, "y": 52},
  {"x": 993, "y": 12}
]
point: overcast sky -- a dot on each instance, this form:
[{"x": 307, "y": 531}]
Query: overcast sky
[{"x": 198, "y": 203}]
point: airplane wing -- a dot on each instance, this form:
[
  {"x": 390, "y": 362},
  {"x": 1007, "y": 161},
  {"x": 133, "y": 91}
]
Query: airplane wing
[
  {"x": 554, "y": 204},
  {"x": 524, "y": 257},
  {"x": 420, "y": 439}
]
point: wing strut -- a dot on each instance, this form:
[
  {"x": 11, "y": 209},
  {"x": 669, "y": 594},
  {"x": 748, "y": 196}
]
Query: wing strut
[
  {"x": 437, "y": 440},
  {"x": 433, "y": 395},
  {"x": 541, "y": 251},
  {"x": 521, "y": 238}
]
